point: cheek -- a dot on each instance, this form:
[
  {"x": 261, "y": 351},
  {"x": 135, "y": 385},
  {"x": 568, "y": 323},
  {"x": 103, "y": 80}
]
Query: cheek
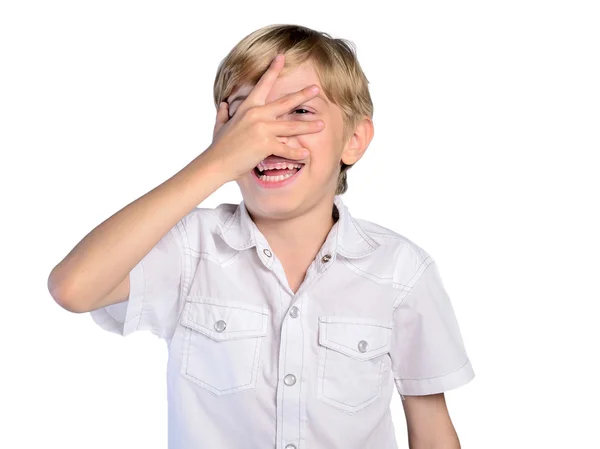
[
  {"x": 320, "y": 141},
  {"x": 324, "y": 159},
  {"x": 324, "y": 146}
]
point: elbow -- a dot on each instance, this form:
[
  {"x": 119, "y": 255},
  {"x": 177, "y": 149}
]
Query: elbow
[
  {"x": 71, "y": 306},
  {"x": 61, "y": 292}
]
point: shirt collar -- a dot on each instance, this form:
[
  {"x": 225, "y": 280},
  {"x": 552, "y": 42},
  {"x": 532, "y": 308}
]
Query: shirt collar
[{"x": 346, "y": 237}]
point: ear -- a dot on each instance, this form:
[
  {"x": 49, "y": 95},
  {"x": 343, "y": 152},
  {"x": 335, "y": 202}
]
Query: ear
[{"x": 359, "y": 141}]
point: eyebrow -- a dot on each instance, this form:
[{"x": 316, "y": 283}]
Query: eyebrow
[{"x": 243, "y": 97}]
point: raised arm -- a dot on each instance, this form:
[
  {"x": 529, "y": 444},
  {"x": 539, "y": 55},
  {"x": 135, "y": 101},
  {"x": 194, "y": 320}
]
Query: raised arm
[{"x": 95, "y": 272}]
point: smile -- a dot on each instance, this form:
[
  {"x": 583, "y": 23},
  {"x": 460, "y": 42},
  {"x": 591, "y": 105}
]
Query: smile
[{"x": 276, "y": 178}]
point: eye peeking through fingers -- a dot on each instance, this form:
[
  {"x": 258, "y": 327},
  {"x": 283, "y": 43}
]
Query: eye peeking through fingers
[{"x": 306, "y": 112}]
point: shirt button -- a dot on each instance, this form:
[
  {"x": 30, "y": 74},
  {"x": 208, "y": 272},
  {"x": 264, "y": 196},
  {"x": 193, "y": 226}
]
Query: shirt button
[
  {"x": 290, "y": 446},
  {"x": 220, "y": 326},
  {"x": 326, "y": 258},
  {"x": 267, "y": 252},
  {"x": 294, "y": 312},
  {"x": 289, "y": 380},
  {"x": 362, "y": 346}
]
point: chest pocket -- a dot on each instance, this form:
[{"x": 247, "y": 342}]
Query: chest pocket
[
  {"x": 222, "y": 343},
  {"x": 352, "y": 352}
]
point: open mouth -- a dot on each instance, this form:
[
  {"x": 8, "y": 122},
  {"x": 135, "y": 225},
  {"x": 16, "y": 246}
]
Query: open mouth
[{"x": 277, "y": 174}]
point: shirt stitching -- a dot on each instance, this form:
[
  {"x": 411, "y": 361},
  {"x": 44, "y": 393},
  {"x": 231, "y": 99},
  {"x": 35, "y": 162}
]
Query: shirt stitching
[
  {"x": 412, "y": 284},
  {"x": 370, "y": 274},
  {"x": 215, "y": 215},
  {"x": 284, "y": 373},
  {"x": 434, "y": 377},
  {"x": 185, "y": 277},
  {"x": 137, "y": 327},
  {"x": 302, "y": 376},
  {"x": 361, "y": 232}
]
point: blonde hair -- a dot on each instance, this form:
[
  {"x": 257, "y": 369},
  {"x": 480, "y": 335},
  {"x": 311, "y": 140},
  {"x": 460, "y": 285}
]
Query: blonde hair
[{"x": 342, "y": 79}]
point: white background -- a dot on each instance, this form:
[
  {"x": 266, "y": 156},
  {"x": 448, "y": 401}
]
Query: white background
[{"x": 487, "y": 118}]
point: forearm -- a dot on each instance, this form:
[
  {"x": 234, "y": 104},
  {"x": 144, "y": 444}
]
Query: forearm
[
  {"x": 435, "y": 443},
  {"x": 104, "y": 257},
  {"x": 428, "y": 423},
  {"x": 441, "y": 436}
]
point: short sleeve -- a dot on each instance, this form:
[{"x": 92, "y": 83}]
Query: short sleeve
[
  {"x": 428, "y": 354},
  {"x": 154, "y": 302}
]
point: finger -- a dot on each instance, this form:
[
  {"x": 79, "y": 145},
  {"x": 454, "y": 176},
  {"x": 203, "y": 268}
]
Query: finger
[
  {"x": 290, "y": 101},
  {"x": 260, "y": 92},
  {"x": 285, "y": 151},
  {"x": 222, "y": 116},
  {"x": 286, "y": 128}
]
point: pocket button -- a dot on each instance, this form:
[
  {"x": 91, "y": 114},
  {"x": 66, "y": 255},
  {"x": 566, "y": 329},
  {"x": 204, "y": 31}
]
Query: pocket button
[
  {"x": 363, "y": 346},
  {"x": 220, "y": 326}
]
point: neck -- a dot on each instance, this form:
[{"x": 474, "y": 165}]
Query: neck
[{"x": 299, "y": 238}]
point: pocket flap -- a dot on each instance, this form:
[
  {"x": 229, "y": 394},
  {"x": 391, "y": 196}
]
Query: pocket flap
[
  {"x": 359, "y": 338},
  {"x": 225, "y": 319}
]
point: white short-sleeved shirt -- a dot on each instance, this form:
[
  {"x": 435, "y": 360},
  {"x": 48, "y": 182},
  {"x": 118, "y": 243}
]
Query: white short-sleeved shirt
[{"x": 253, "y": 365}]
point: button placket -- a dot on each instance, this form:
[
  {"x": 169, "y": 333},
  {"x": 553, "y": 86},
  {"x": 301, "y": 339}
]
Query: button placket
[
  {"x": 289, "y": 380},
  {"x": 294, "y": 312},
  {"x": 292, "y": 396}
]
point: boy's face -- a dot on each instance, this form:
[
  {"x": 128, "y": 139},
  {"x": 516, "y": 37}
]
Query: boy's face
[{"x": 317, "y": 180}]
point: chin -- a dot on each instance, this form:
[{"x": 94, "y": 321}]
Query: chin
[
  {"x": 282, "y": 202},
  {"x": 272, "y": 206}
]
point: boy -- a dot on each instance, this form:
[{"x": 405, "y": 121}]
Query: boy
[{"x": 288, "y": 322}]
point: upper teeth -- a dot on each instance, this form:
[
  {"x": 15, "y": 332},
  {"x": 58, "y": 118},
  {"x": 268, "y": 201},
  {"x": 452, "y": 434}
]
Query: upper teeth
[{"x": 278, "y": 166}]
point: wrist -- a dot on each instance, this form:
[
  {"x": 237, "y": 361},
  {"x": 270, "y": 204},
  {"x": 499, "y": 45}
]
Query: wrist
[{"x": 211, "y": 164}]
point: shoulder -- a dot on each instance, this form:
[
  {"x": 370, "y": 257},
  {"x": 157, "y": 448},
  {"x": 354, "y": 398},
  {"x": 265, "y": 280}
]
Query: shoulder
[
  {"x": 202, "y": 227},
  {"x": 393, "y": 244},
  {"x": 217, "y": 216},
  {"x": 397, "y": 258}
]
